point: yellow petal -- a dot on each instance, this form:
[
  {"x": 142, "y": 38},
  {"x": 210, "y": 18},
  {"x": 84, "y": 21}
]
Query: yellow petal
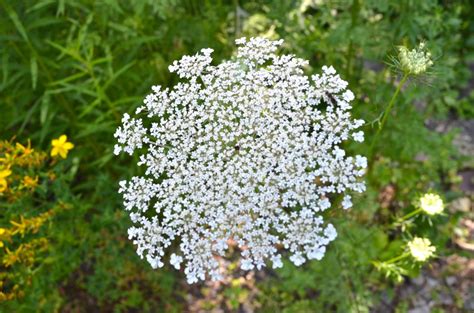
[
  {"x": 5, "y": 173},
  {"x": 68, "y": 146},
  {"x": 63, "y": 153},
  {"x": 3, "y": 185},
  {"x": 54, "y": 142},
  {"x": 63, "y": 139},
  {"x": 54, "y": 152}
]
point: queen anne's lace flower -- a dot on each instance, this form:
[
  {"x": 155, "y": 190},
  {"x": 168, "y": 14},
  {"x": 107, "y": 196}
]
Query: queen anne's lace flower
[
  {"x": 415, "y": 61},
  {"x": 249, "y": 150}
]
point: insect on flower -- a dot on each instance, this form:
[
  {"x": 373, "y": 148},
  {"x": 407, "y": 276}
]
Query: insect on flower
[{"x": 233, "y": 152}]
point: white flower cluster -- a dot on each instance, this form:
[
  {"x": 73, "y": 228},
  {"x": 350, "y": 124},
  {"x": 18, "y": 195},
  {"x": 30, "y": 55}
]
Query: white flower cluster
[{"x": 248, "y": 150}]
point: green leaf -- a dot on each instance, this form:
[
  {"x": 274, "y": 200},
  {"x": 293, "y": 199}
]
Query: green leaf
[
  {"x": 16, "y": 20},
  {"x": 34, "y": 71},
  {"x": 44, "y": 109}
]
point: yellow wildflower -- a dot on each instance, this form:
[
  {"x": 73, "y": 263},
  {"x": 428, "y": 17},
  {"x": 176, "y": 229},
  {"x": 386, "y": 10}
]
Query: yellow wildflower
[
  {"x": 3, "y": 182},
  {"x": 30, "y": 182},
  {"x": 61, "y": 146},
  {"x": 25, "y": 150},
  {"x": 19, "y": 227},
  {"x": 8, "y": 159},
  {"x": 2, "y": 231},
  {"x": 421, "y": 249},
  {"x": 12, "y": 257},
  {"x": 431, "y": 204}
]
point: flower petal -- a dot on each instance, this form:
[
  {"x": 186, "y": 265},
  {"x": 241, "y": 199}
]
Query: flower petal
[
  {"x": 63, "y": 153},
  {"x": 5, "y": 173}
]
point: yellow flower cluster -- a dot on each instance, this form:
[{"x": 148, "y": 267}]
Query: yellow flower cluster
[
  {"x": 24, "y": 225},
  {"x": 25, "y": 254},
  {"x": 18, "y": 156},
  {"x": 22, "y": 171}
]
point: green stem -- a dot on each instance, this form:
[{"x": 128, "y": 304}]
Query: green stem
[
  {"x": 355, "y": 9},
  {"x": 347, "y": 280},
  {"x": 237, "y": 20},
  {"x": 411, "y": 214},
  {"x": 387, "y": 112},
  {"x": 398, "y": 258},
  {"x": 392, "y": 102}
]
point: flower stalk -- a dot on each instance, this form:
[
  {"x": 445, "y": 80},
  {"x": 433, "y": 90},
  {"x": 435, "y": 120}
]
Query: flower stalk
[
  {"x": 415, "y": 62},
  {"x": 387, "y": 111}
]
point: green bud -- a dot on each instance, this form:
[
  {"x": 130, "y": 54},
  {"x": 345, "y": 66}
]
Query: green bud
[{"x": 415, "y": 61}]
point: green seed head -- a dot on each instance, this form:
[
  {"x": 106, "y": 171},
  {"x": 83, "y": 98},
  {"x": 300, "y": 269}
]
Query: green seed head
[{"x": 415, "y": 61}]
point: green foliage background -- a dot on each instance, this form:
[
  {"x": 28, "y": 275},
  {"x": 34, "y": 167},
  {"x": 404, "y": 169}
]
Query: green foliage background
[{"x": 74, "y": 67}]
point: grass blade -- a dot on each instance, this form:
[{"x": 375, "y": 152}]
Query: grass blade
[{"x": 34, "y": 71}]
